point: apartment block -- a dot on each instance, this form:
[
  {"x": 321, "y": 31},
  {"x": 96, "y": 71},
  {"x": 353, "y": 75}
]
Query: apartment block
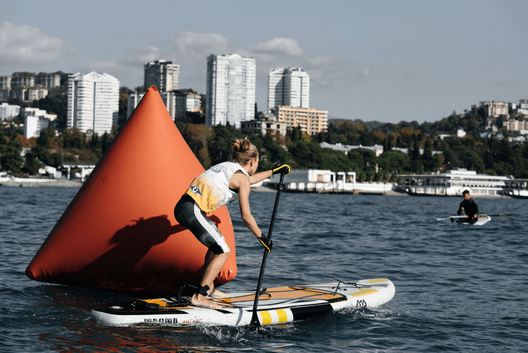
[
  {"x": 181, "y": 102},
  {"x": 22, "y": 79},
  {"x": 48, "y": 80},
  {"x": 517, "y": 125},
  {"x": 288, "y": 87},
  {"x": 265, "y": 123},
  {"x": 93, "y": 102},
  {"x": 231, "y": 81},
  {"x": 494, "y": 108},
  {"x": 310, "y": 120},
  {"x": 5, "y": 82},
  {"x": 8, "y": 111},
  {"x": 163, "y": 74},
  {"x": 34, "y": 124}
]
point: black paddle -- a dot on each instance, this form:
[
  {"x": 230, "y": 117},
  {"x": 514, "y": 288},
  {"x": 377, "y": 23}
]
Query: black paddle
[{"x": 254, "y": 318}]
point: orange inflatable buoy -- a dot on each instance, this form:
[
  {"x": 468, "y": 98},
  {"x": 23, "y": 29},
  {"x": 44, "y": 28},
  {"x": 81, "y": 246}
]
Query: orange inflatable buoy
[{"x": 119, "y": 232}]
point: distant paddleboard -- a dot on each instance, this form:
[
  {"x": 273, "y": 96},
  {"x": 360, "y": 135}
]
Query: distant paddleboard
[
  {"x": 482, "y": 219},
  {"x": 276, "y": 305}
]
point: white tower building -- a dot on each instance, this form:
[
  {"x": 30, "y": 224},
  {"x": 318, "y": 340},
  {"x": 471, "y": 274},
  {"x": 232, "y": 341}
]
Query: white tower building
[
  {"x": 288, "y": 87},
  {"x": 93, "y": 102},
  {"x": 163, "y": 74},
  {"x": 230, "y": 90}
]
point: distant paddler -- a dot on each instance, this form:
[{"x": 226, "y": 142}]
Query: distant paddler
[{"x": 470, "y": 208}]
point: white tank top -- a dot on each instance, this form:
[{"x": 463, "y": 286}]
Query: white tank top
[{"x": 210, "y": 190}]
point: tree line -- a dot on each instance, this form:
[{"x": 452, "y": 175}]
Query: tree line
[{"x": 211, "y": 146}]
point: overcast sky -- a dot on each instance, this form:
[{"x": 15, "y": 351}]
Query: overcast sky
[{"x": 387, "y": 60}]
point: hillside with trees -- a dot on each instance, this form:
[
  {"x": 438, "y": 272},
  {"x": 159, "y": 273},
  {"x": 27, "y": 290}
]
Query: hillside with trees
[{"x": 492, "y": 156}]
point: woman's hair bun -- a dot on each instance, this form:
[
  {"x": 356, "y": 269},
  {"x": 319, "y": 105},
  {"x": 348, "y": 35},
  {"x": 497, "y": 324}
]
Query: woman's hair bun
[
  {"x": 243, "y": 151},
  {"x": 240, "y": 145}
]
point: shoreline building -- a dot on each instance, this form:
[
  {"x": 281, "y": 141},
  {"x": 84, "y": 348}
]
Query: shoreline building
[
  {"x": 265, "y": 123},
  {"x": 453, "y": 183},
  {"x": 93, "y": 102},
  {"x": 35, "y": 120},
  {"x": 231, "y": 81},
  {"x": 163, "y": 74},
  {"x": 310, "y": 120},
  {"x": 288, "y": 87}
]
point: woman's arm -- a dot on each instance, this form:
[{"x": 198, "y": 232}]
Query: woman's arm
[
  {"x": 255, "y": 178},
  {"x": 241, "y": 183}
]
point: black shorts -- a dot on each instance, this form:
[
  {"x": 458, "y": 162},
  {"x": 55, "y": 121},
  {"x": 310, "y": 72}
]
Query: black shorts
[{"x": 189, "y": 215}]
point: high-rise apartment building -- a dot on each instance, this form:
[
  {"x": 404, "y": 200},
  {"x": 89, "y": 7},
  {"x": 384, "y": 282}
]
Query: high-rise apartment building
[
  {"x": 163, "y": 74},
  {"x": 230, "y": 89},
  {"x": 93, "y": 102},
  {"x": 288, "y": 87}
]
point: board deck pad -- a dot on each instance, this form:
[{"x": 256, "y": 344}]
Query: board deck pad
[
  {"x": 276, "y": 305},
  {"x": 482, "y": 219}
]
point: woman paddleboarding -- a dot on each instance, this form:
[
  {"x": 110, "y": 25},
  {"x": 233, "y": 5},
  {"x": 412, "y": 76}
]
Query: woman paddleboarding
[{"x": 216, "y": 187}]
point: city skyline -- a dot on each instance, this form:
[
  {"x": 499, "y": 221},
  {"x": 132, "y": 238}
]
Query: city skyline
[{"x": 386, "y": 61}]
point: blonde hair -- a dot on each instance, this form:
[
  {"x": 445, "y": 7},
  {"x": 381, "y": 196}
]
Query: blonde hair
[{"x": 243, "y": 151}]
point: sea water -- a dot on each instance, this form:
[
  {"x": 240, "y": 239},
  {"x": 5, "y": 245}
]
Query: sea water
[{"x": 458, "y": 288}]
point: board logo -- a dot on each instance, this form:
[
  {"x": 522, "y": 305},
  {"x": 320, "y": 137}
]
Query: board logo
[{"x": 361, "y": 303}]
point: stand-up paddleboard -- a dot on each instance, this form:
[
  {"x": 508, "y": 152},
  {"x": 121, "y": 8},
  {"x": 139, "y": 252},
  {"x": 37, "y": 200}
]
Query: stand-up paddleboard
[
  {"x": 482, "y": 219},
  {"x": 275, "y": 306}
]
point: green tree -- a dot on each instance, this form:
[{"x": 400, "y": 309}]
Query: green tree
[
  {"x": 430, "y": 162},
  {"x": 394, "y": 162},
  {"x": 106, "y": 140},
  {"x": 198, "y": 137},
  {"x": 31, "y": 165},
  {"x": 10, "y": 158},
  {"x": 72, "y": 138}
]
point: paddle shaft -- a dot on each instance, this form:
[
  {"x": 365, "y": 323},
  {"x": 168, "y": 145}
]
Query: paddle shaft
[
  {"x": 254, "y": 318},
  {"x": 488, "y": 215}
]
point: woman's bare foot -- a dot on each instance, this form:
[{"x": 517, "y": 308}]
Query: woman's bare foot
[
  {"x": 216, "y": 294},
  {"x": 202, "y": 302}
]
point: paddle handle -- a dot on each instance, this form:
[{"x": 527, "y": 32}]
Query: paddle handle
[{"x": 254, "y": 318}]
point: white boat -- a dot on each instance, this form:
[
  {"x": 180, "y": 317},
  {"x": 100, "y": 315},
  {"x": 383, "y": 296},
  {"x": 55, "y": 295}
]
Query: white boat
[{"x": 3, "y": 177}]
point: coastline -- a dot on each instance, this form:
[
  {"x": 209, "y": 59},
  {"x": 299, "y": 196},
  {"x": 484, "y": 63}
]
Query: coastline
[
  {"x": 65, "y": 183},
  {"x": 29, "y": 182}
]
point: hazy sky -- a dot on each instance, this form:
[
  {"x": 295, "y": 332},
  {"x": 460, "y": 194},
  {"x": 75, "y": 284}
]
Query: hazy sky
[{"x": 384, "y": 60}]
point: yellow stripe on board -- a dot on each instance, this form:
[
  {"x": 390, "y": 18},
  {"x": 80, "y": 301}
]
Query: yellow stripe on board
[
  {"x": 364, "y": 291},
  {"x": 377, "y": 280},
  {"x": 283, "y": 316},
  {"x": 266, "y": 317},
  {"x": 155, "y": 301}
]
